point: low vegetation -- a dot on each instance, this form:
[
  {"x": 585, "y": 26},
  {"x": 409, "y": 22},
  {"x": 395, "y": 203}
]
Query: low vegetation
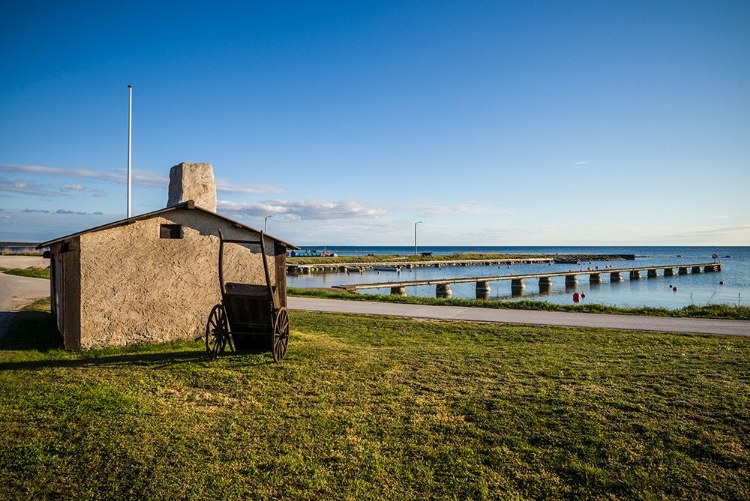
[
  {"x": 707, "y": 311},
  {"x": 379, "y": 408},
  {"x": 468, "y": 256},
  {"x": 33, "y": 272}
]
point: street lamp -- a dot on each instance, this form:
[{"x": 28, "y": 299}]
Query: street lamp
[
  {"x": 415, "y": 237},
  {"x": 265, "y": 223}
]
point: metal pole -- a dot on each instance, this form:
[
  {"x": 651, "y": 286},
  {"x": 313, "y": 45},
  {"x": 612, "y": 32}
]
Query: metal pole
[
  {"x": 265, "y": 223},
  {"x": 130, "y": 132},
  {"x": 415, "y": 237}
]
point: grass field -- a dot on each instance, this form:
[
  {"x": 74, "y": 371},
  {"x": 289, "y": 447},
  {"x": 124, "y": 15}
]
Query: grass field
[{"x": 379, "y": 408}]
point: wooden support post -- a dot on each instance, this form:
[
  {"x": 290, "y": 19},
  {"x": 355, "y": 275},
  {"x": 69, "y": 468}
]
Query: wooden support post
[
  {"x": 682, "y": 270},
  {"x": 615, "y": 276},
  {"x": 668, "y": 272},
  {"x": 398, "y": 291},
  {"x": 635, "y": 274},
  {"x": 651, "y": 273},
  {"x": 697, "y": 269},
  {"x": 571, "y": 281},
  {"x": 595, "y": 278}
]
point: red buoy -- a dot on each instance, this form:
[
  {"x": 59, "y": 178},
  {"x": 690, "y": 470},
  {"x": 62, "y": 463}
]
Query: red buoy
[
  {"x": 674, "y": 288},
  {"x": 576, "y": 297}
]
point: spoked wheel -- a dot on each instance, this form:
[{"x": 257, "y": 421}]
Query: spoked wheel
[
  {"x": 217, "y": 332},
  {"x": 280, "y": 334}
]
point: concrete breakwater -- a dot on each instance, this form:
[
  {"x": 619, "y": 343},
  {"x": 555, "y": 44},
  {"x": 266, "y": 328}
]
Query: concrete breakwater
[
  {"x": 443, "y": 289},
  {"x": 394, "y": 265}
]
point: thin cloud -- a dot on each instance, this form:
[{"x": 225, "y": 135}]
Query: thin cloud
[
  {"x": 305, "y": 209},
  {"x": 98, "y": 192},
  {"x": 25, "y": 187},
  {"x": 73, "y": 187},
  {"x": 466, "y": 208},
  {"x": 228, "y": 187},
  {"x": 139, "y": 177}
]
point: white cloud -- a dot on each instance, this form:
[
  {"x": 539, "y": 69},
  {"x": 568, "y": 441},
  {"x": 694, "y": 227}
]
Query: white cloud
[
  {"x": 73, "y": 187},
  {"x": 304, "y": 209},
  {"x": 25, "y": 187},
  {"x": 139, "y": 177},
  {"x": 226, "y": 186}
]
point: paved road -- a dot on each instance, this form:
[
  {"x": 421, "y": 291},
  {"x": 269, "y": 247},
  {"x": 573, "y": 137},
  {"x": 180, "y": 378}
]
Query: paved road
[
  {"x": 17, "y": 292},
  {"x": 627, "y": 322}
]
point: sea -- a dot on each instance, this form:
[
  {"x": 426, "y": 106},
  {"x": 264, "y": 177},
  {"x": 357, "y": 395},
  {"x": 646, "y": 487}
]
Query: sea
[{"x": 730, "y": 286}]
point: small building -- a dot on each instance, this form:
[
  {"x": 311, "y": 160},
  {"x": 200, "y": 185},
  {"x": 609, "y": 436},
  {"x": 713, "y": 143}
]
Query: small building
[{"x": 152, "y": 277}]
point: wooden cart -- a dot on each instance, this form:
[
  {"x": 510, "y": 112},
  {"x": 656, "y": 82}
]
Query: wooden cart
[{"x": 249, "y": 316}]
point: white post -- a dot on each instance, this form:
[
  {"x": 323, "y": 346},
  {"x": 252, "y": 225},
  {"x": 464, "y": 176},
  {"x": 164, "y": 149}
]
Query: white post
[{"x": 130, "y": 131}]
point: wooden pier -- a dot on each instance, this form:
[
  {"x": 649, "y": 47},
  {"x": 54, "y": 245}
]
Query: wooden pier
[
  {"x": 517, "y": 284},
  {"x": 299, "y": 269}
]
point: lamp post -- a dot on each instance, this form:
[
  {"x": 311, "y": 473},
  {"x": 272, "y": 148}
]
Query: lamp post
[
  {"x": 415, "y": 237},
  {"x": 265, "y": 223}
]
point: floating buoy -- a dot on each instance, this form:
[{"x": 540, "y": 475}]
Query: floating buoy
[
  {"x": 721, "y": 282},
  {"x": 576, "y": 297},
  {"x": 674, "y": 288},
  {"x": 583, "y": 295}
]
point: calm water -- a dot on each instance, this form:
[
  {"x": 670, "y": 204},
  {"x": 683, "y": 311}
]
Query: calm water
[{"x": 700, "y": 289}]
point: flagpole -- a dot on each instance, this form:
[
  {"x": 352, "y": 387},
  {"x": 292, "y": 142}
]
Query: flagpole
[{"x": 130, "y": 132}]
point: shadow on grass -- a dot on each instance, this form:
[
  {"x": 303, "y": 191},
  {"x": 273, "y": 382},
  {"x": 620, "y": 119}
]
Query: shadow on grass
[
  {"x": 31, "y": 330},
  {"x": 34, "y": 331}
]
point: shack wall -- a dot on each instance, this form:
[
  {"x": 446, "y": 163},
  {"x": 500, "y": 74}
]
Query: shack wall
[{"x": 138, "y": 287}]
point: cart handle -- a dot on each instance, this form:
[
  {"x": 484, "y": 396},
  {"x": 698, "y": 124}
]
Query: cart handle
[{"x": 274, "y": 299}]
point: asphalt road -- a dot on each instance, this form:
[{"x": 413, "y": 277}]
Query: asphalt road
[
  {"x": 17, "y": 292},
  {"x": 625, "y": 322}
]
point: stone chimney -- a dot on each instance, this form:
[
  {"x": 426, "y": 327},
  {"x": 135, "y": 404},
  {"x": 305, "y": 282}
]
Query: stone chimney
[{"x": 192, "y": 182}]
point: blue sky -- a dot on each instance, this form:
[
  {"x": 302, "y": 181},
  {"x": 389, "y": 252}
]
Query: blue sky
[{"x": 494, "y": 123}]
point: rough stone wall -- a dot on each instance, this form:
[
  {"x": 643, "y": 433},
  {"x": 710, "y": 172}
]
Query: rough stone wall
[
  {"x": 192, "y": 181},
  {"x": 137, "y": 287}
]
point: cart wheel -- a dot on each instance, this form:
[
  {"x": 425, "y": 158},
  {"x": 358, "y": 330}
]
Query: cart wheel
[
  {"x": 280, "y": 334},
  {"x": 217, "y": 332}
]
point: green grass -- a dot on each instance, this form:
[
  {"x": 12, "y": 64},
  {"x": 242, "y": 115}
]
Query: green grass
[
  {"x": 379, "y": 408},
  {"x": 706, "y": 311},
  {"x": 33, "y": 272}
]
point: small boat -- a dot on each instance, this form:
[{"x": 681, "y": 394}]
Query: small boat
[{"x": 387, "y": 268}]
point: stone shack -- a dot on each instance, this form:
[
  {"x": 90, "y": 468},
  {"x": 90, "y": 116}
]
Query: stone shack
[{"x": 153, "y": 277}]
